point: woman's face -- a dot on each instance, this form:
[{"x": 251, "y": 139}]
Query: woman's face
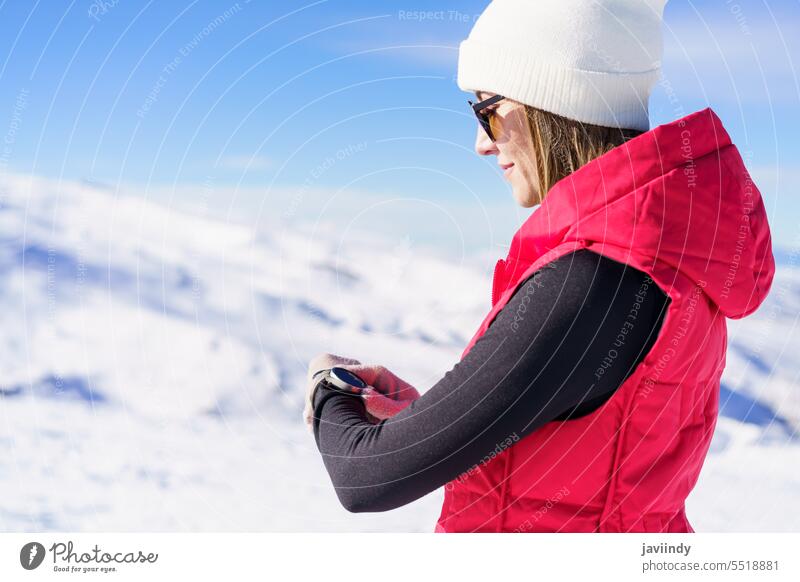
[{"x": 513, "y": 148}]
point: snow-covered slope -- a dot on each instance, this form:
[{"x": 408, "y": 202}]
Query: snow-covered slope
[{"x": 152, "y": 368}]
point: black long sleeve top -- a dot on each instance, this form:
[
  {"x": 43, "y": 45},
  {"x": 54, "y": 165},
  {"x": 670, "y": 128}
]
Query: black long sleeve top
[{"x": 540, "y": 360}]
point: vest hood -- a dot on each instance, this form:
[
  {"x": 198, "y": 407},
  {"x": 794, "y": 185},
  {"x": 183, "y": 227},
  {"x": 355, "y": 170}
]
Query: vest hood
[{"x": 681, "y": 196}]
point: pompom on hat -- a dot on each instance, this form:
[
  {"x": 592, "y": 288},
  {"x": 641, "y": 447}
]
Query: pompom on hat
[{"x": 593, "y": 61}]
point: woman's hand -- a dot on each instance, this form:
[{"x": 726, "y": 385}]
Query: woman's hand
[
  {"x": 319, "y": 362},
  {"x": 386, "y": 393}
]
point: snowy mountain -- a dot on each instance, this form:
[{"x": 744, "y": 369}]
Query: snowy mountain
[{"x": 153, "y": 365}]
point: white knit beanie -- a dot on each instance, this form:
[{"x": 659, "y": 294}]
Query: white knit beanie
[{"x": 594, "y": 61}]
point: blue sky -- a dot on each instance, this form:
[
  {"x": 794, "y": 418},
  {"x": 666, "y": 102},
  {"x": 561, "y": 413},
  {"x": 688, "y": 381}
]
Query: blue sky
[{"x": 337, "y": 110}]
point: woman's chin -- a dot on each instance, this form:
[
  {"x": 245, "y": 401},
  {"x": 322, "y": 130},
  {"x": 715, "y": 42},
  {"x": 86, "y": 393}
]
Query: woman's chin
[{"x": 526, "y": 199}]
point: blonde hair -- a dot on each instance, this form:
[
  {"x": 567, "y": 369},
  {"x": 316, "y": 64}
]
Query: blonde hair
[{"x": 563, "y": 145}]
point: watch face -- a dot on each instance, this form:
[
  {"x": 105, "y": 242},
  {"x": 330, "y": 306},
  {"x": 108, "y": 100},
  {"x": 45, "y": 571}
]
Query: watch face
[
  {"x": 340, "y": 379},
  {"x": 346, "y": 376}
]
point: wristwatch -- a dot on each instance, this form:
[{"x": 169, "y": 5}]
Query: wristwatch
[{"x": 341, "y": 380}]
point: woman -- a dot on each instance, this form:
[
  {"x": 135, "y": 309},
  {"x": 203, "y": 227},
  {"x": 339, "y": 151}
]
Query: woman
[{"x": 587, "y": 398}]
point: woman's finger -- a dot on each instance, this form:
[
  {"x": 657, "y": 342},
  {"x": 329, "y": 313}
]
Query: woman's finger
[{"x": 381, "y": 406}]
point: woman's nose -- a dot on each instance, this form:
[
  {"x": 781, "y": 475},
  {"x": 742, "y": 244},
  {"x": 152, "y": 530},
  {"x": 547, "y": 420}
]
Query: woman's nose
[{"x": 483, "y": 145}]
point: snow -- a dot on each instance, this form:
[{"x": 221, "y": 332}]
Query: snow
[{"x": 153, "y": 368}]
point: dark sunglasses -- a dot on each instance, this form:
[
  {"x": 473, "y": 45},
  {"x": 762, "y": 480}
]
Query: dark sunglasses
[{"x": 485, "y": 119}]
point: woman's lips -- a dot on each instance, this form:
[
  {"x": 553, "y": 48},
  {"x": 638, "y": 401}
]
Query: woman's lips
[{"x": 508, "y": 169}]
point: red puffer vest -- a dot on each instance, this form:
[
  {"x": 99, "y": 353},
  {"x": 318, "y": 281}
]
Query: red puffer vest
[{"x": 678, "y": 204}]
